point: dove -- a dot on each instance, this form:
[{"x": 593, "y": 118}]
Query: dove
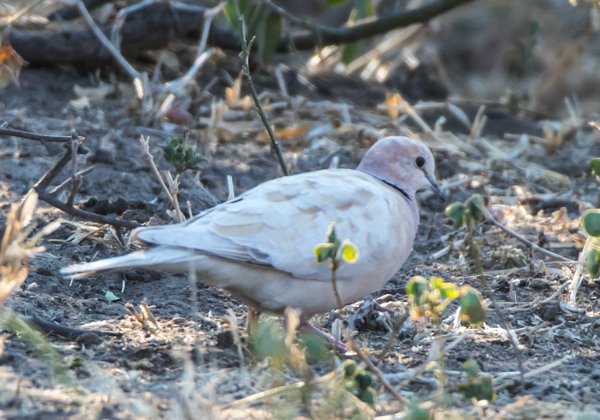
[{"x": 260, "y": 246}]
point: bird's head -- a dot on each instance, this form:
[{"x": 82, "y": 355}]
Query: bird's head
[{"x": 404, "y": 162}]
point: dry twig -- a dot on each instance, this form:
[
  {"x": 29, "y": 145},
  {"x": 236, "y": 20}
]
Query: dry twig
[
  {"x": 246, "y": 47},
  {"x": 44, "y": 138}
]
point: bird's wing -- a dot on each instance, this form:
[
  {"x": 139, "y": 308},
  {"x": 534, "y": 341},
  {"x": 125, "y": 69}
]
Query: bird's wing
[{"x": 279, "y": 222}]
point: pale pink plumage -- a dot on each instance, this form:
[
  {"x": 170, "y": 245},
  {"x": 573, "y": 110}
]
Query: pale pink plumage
[{"x": 260, "y": 245}]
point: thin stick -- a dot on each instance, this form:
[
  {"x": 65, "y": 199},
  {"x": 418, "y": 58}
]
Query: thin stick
[
  {"x": 19, "y": 14},
  {"x": 105, "y": 41},
  {"x": 254, "y": 398},
  {"x": 68, "y": 180},
  {"x": 536, "y": 372},
  {"x": 44, "y": 138},
  {"x": 522, "y": 239},
  {"x": 146, "y": 151},
  {"x": 246, "y": 47}
]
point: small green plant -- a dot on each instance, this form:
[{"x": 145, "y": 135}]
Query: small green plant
[
  {"x": 417, "y": 411},
  {"x": 469, "y": 214},
  {"x": 183, "y": 157},
  {"x": 590, "y": 223},
  {"x": 430, "y": 298},
  {"x": 589, "y": 256},
  {"x": 335, "y": 251},
  {"x": 357, "y": 381},
  {"x": 478, "y": 385}
]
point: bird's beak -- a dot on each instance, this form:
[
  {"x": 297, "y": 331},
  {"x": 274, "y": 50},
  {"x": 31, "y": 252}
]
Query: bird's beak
[{"x": 434, "y": 186}]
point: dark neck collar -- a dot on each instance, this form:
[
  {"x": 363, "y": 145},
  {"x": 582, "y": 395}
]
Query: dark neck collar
[{"x": 394, "y": 186}]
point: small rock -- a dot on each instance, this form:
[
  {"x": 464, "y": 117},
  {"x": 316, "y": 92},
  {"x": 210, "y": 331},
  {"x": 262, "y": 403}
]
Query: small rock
[
  {"x": 538, "y": 284},
  {"x": 44, "y": 271},
  {"x": 225, "y": 339},
  {"x": 89, "y": 339},
  {"x": 549, "y": 310}
]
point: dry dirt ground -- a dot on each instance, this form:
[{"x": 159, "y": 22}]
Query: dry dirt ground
[{"x": 186, "y": 365}]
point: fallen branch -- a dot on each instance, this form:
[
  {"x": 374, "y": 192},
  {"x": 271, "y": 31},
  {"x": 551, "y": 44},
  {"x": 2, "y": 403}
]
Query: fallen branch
[
  {"x": 323, "y": 35},
  {"x": 82, "y": 214},
  {"x": 41, "y": 186},
  {"x": 65, "y": 331},
  {"x": 152, "y": 27},
  {"x": 44, "y": 138},
  {"x": 157, "y": 24}
]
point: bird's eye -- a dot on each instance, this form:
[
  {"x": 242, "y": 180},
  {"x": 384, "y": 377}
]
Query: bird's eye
[{"x": 420, "y": 161}]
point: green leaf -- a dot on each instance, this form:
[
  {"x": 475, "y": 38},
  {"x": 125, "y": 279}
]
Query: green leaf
[
  {"x": 471, "y": 305},
  {"x": 268, "y": 32},
  {"x": 590, "y": 222},
  {"x": 480, "y": 388},
  {"x": 349, "y": 252},
  {"x": 234, "y": 9},
  {"x": 324, "y": 251},
  {"x": 416, "y": 289},
  {"x": 331, "y": 235},
  {"x": 181, "y": 156},
  {"x": 418, "y": 412},
  {"x": 232, "y": 12},
  {"x": 367, "y": 395},
  {"x": 595, "y": 166},
  {"x": 335, "y": 2},
  {"x": 350, "y": 52},
  {"x": 316, "y": 347},
  {"x": 111, "y": 297},
  {"x": 349, "y": 368},
  {"x": 456, "y": 213},
  {"x": 364, "y": 8},
  {"x": 363, "y": 380},
  {"x": 446, "y": 289},
  {"x": 475, "y": 208},
  {"x": 593, "y": 263},
  {"x": 471, "y": 367},
  {"x": 268, "y": 341}
]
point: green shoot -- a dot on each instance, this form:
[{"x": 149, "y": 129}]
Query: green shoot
[
  {"x": 430, "y": 298},
  {"x": 479, "y": 385},
  {"x": 335, "y": 251},
  {"x": 183, "y": 157}
]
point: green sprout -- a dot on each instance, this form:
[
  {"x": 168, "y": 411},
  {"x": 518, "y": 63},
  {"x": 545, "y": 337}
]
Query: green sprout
[
  {"x": 590, "y": 254},
  {"x": 357, "y": 381},
  {"x": 590, "y": 223},
  {"x": 335, "y": 251},
  {"x": 430, "y": 298},
  {"x": 479, "y": 385},
  {"x": 417, "y": 411},
  {"x": 182, "y": 156},
  {"x": 463, "y": 214}
]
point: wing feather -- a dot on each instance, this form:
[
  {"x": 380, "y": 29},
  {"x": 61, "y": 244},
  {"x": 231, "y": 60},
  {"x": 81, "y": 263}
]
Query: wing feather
[{"x": 279, "y": 222}]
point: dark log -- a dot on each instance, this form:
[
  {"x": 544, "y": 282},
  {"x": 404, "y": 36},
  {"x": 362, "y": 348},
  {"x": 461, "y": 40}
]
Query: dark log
[{"x": 151, "y": 27}]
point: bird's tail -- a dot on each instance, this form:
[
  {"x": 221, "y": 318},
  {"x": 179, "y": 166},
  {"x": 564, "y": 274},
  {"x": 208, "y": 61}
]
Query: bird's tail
[{"x": 158, "y": 257}]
